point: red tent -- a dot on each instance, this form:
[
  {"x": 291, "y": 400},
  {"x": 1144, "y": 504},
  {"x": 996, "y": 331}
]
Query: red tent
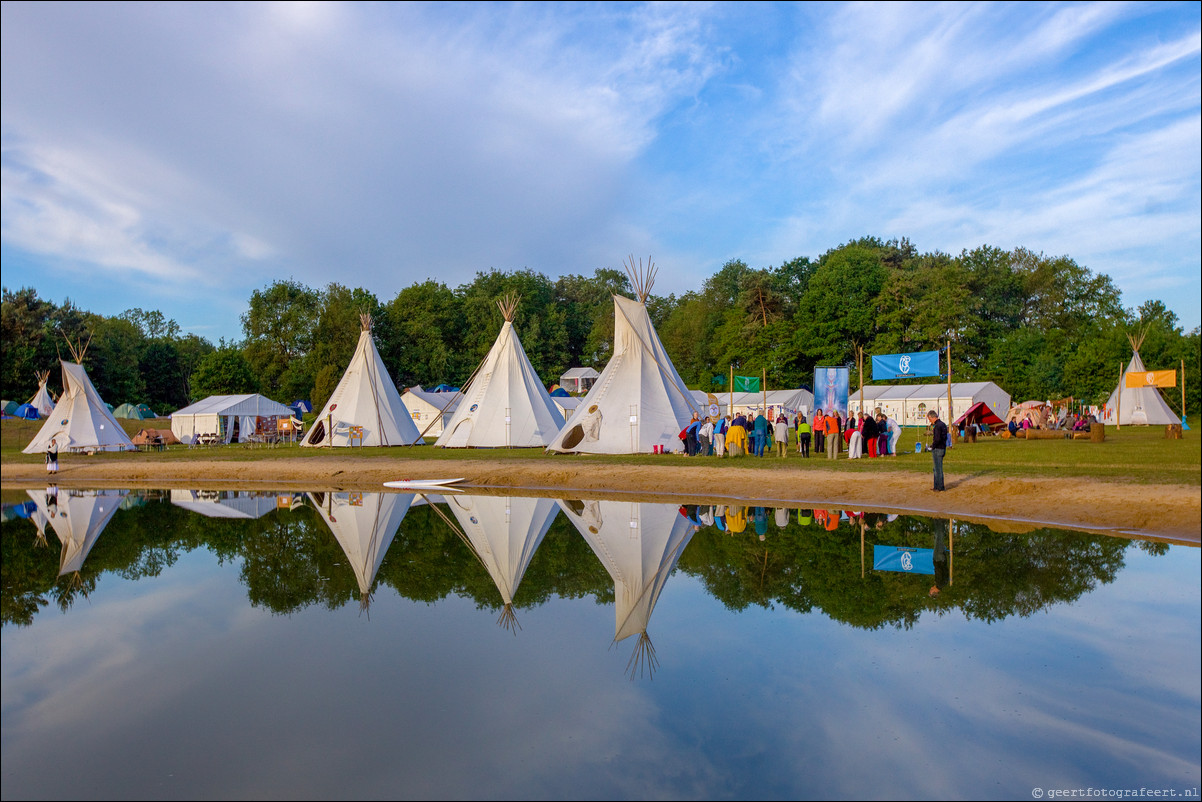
[{"x": 980, "y": 413}]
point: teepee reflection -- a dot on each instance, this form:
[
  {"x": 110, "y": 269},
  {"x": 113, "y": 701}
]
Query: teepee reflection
[
  {"x": 504, "y": 532},
  {"x": 364, "y": 524},
  {"x": 77, "y": 517},
  {"x": 639, "y": 544}
]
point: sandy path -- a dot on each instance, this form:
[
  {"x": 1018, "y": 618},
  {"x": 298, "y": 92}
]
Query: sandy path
[{"x": 1167, "y": 511}]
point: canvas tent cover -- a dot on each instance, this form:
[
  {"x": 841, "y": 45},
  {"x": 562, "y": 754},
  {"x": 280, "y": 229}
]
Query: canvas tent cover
[
  {"x": 365, "y": 408},
  {"x": 638, "y": 402},
  {"x": 506, "y": 405},
  {"x": 980, "y": 413},
  {"x": 1138, "y": 406},
  {"x": 80, "y": 420}
]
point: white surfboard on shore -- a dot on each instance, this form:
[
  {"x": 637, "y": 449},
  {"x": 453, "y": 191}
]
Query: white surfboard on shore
[{"x": 425, "y": 484}]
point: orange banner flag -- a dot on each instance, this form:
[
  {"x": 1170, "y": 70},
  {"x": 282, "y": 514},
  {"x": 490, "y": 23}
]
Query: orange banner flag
[{"x": 1152, "y": 378}]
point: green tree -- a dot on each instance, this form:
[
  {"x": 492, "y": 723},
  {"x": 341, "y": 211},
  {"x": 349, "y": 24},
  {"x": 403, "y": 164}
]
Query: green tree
[
  {"x": 223, "y": 371},
  {"x": 280, "y": 327}
]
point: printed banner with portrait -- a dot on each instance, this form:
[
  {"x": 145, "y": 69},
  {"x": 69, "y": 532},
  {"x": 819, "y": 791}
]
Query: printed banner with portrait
[{"x": 830, "y": 389}]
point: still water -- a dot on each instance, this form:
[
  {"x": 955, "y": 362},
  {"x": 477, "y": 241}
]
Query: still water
[{"x": 187, "y": 644}]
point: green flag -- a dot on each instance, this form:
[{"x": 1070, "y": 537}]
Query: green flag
[{"x": 747, "y": 384}]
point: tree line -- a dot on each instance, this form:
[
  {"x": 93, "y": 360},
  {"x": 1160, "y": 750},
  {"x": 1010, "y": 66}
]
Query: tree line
[{"x": 1039, "y": 326}]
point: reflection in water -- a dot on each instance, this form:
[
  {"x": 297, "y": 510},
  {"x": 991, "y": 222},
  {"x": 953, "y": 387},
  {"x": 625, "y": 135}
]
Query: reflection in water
[
  {"x": 364, "y": 525},
  {"x": 504, "y": 532},
  {"x": 77, "y": 517},
  {"x": 639, "y": 544},
  {"x": 786, "y": 657}
]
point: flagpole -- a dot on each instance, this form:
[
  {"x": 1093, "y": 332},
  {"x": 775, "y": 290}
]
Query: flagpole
[
  {"x": 1183, "y": 391},
  {"x": 764, "y": 391},
  {"x": 860, "y": 368},
  {"x": 949, "y": 380},
  {"x": 730, "y": 408}
]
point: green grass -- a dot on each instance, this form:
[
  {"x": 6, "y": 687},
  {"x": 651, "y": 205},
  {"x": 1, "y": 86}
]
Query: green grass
[{"x": 1135, "y": 454}]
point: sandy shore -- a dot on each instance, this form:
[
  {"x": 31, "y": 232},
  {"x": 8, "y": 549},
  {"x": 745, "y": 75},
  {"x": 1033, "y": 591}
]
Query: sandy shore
[{"x": 1171, "y": 512}]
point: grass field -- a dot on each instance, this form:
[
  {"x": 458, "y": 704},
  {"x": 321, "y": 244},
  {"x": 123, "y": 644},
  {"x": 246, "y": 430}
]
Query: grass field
[{"x": 1134, "y": 454}]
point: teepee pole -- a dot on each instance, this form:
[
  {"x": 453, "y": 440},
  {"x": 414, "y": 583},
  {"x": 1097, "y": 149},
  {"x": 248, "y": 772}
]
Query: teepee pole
[
  {"x": 1118, "y": 412},
  {"x": 1183, "y": 391}
]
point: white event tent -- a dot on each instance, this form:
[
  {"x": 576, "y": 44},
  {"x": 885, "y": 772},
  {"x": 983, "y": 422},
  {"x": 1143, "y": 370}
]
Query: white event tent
[{"x": 228, "y": 418}]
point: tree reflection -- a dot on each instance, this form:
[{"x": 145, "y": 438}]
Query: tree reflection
[{"x": 289, "y": 560}]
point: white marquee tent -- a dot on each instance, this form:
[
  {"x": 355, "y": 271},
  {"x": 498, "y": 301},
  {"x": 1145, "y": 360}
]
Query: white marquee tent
[
  {"x": 639, "y": 401},
  {"x": 228, "y": 418},
  {"x": 504, "y": 405},
  {"x": 365, "y": 408},
  {"x": 908, "y": 403},
  {"x": 247, "y": 504}
]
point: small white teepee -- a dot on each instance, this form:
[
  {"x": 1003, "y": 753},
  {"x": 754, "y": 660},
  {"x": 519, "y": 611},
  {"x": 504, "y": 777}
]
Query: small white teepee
[
  {"x": 364, "y": 524},
  {"x": 41, "y": 400},
  {"x": 639, "y": 544},
  {"x": 639, "y": 401},
  {"x": 505, "y": 405},
  {"x": 80, "y": 420},
  {"x": 365, "y": 408},
  {"x": 1137, "y": 406},
  {"x": 504, "y": 531},
  {"x": 77, "y": 517}
]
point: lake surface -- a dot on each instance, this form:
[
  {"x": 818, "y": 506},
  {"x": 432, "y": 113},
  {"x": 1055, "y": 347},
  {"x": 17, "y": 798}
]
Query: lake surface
[{"x": 185, "y": 644}]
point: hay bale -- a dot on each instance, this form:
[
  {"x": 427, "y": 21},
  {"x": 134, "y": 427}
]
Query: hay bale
[
  {"x": 1097, "y": 432},
  {"x": 1172, "y": 431}
]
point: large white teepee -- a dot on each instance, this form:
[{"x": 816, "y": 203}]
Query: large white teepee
[
  {"x": 365, "y": 409},
  {"x": 364, "y": 524},
  {"x": 41, "y": 400},
  {"x": 1135, "y": 406},
  {"x": 80, "y": 420},
  {"x": 639, "y": 544},
  {"x": 77, "y": 517},
  {"x": 639, "y": 401},
  {"x": 504, "y": 532},
  {"x": 505, "y": 404}
]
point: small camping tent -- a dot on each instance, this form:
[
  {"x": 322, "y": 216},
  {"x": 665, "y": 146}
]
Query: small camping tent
[
  {"x": 134, "y": 412},
  {"x": 365, "y": 408},
  {"x": 80, "y": 421},
  {"x": 1142, "y": 405},
  {"x": 504, "y": 405},
  {"x": 639, "y": 401}
]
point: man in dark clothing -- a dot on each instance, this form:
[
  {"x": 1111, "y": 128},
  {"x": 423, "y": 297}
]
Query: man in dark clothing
[{"x": 938, "y": 445}]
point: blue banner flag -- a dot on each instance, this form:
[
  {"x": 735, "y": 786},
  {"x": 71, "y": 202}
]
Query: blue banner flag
[
  {"x": 905, "y": 366},
  {"x": 904, "y": 559}
]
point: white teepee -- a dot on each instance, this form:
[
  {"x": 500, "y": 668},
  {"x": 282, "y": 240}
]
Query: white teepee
[
  {"x": 639, "y": 401},
  {"x": 365, "y": 409},
  {"x": 505, "y": 404},
  {"x": 639, "y": 544},
  {"x": 504, "y": 531},
  {"x": 364, "y": 524},
  {"x": 80, "y": 420},
  {"x": 41, "y": 400},
  {"x": 77, "y": 517},
  {"x": 1135, "y": 406}
]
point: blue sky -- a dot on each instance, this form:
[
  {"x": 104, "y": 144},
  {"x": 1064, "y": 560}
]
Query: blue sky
[{"x": 178, "y": 157}]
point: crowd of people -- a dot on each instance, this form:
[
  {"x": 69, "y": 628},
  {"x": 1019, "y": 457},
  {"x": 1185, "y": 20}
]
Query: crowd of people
[{"x": 753, "y": 434}]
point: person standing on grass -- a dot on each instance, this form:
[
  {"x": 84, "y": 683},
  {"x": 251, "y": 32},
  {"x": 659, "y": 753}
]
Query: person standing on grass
[
  {"x": 52, "y": 456},
  {"x": 938, "y": 446},
  {"x": 819, "y": 431},
  {"x": 832, "y": 435},
  {"x": 781, "y": 435},
  {"x": 803, "y": 436}
]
